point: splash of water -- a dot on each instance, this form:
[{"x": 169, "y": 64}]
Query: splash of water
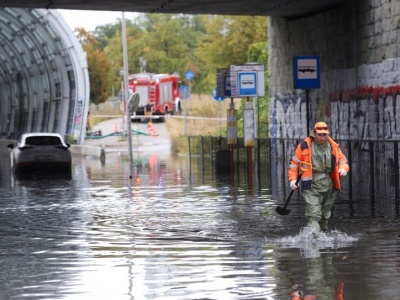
[{"x": 310, "y": 242}]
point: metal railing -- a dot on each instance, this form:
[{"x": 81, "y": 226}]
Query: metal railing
[{"x": 374, "y": 167}]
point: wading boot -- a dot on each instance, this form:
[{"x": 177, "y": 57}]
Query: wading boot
[
  {"x": 323, "y": 224},
  {"x": 314, "y": 228}
]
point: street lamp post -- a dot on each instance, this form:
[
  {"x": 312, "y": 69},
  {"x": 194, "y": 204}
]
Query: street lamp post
[{"x": 126, "y": 83}]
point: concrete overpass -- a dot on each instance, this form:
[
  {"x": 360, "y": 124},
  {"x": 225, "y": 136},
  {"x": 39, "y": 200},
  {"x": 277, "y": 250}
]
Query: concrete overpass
[
  {"x": 357, "y": 41},
  {"x": 44, "y": 79},
  {"x": 279, "y": 8}
]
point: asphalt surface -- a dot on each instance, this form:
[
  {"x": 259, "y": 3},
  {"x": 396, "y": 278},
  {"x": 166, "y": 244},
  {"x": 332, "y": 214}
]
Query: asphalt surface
[{"x": 146, "y": 136}]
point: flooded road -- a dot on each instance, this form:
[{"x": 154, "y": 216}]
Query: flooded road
[{"x": 177, "y": 231}]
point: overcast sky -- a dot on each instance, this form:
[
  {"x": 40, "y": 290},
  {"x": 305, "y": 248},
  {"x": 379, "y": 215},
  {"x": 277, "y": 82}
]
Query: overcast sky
[{"x": 89, "y": 19}]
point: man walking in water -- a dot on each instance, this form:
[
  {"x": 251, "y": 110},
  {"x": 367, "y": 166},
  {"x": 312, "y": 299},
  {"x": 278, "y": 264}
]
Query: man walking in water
[{"x": 320, "y": 181}]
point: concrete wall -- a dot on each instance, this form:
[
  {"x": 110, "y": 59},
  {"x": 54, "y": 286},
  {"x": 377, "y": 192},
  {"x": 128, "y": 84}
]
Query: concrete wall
[
  {"x": 359, "y": 49},
  {"x": 83, "y": 150},
  {"x": 4, "y": 143}
]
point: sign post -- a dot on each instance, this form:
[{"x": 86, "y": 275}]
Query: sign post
[
  {"x": 184, "y": 92},
  {"x": 306, "y": 71},
  {"x": 189, "y": 76},
  {"x": 132, "y": 105},
  {"x": 219, "y": 99},
  {"x": 248, "y": 81}
]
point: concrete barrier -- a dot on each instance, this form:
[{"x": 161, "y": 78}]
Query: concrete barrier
[
  {"x": 94, "y": 151},
  {"x": 4, "y": 143}
]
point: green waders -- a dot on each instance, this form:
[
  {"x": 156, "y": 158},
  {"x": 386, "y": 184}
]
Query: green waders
[
  {"x": 320, "y": 198},
  {"x": 319, "y": 201}
]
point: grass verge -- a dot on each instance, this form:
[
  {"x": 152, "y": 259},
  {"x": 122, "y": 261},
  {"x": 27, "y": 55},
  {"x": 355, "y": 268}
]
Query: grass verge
[{"x": 210, "y": 121}]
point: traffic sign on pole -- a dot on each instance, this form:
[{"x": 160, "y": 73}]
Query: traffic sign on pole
[
  {"x": 189, "y": 75},
  {"x": 215, "y": 95},
  {"x": 306, "y": 71},
  {"x": 184, "y": 92}
]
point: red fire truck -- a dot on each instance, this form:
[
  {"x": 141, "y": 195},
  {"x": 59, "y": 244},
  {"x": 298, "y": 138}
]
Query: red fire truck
[{"x": 158, "y": 93}]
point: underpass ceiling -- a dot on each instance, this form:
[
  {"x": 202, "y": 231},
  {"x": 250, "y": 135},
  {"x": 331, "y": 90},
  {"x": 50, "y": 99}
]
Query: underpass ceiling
[{"x": 280, "y": 8}]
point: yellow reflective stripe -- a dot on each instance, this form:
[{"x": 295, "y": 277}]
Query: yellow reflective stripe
[
  {"x": 293, "y": 166},
  {"x": 306, "y": 178}
]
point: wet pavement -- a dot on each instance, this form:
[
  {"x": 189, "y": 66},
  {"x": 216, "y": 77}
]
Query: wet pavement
[{"x": 178, "y": 230}]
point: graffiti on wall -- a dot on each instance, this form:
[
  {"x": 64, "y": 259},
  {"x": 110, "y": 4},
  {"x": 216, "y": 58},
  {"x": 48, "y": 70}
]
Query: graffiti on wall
[{"x": 365, "y": 113}]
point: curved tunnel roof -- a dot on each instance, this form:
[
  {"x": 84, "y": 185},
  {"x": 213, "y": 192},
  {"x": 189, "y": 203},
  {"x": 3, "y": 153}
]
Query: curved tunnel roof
[{"x": 44, "y": 81}]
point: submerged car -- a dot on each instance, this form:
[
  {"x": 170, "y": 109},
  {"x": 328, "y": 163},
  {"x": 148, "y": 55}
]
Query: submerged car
[{"x": 40, "y": 151}]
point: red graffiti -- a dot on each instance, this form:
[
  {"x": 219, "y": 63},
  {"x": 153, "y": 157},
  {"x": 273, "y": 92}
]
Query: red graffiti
[{"x": 364, "y": 91}]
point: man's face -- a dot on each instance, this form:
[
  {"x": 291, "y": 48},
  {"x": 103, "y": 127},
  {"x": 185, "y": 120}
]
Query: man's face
[{"x": 321, "y": 137}]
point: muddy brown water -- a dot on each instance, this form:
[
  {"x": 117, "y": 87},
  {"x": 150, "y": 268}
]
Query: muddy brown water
[{"x": 176, "y": 231}]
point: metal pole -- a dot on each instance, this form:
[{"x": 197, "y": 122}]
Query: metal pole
[
  {"x": 396, "y": 175},
  {"x": 186, "y": 110},
  {"x": 372, "y": 176},
  {"x": 350, "y": 159},
  {"x": 307, "y": 111},
  {"x": 250, "y": 156},
  {"x": 220, "y": 116},
  {"x": 129, "y": 133},
  {"x": 126, "y": 83},
  {"x": 257, "y": 119}
]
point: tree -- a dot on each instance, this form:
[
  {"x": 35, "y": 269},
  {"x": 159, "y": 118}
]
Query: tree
[
  {"x": 169, "y": 41},
  {"x": 98, "y": 67},
  {"x": 227, "y": 42},
  {"x": 174, "y": 44},
  {"x": 113, "y": 50}
]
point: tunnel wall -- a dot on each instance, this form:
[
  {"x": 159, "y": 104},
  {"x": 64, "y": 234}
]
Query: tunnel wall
[
  {"x": 44, "y": 82},
  {"x": 359, "y": 49}
]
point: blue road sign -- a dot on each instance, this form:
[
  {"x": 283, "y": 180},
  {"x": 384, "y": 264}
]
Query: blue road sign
[
  {"x": 306, "y": 72},
  {"x": 215, "y": 95},
  {"x": 184, "y": 92},
  {"x": 189, "y": 75}
]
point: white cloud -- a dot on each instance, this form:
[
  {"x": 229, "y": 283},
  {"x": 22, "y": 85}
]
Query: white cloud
[{"x": 89, "y": 19}]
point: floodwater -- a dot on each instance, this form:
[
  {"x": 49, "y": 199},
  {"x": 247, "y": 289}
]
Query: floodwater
[{"x": 175, "y": 231}]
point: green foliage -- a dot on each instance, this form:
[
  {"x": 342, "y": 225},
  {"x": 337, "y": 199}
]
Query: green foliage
[
  {"x": 98, "y": 66},
  {"x": 174, "y": 44},
  {"x": 227, "y": 42},
  {"x": 71, "y": 139}
]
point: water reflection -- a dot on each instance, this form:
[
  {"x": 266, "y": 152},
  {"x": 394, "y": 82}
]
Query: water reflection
[{"x": 178, "y": 230}]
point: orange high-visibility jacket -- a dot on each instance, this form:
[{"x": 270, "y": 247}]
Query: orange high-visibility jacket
[{"x": 303, "y": 153}]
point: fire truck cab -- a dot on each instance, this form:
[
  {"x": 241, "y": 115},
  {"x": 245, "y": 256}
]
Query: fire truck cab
[{"x": 158, "y": 93}]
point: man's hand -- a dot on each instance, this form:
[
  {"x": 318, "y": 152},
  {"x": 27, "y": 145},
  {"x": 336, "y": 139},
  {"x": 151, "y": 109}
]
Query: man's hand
[
  {"x": 293, "y": 185},
  {"x": 342, "y": 172}
]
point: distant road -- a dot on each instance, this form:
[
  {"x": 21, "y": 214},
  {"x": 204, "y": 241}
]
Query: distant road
[{"x": 141, "y": 138}]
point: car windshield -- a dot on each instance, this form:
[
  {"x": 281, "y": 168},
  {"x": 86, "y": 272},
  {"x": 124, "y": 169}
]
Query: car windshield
[{"x": 43, "y": 140}]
